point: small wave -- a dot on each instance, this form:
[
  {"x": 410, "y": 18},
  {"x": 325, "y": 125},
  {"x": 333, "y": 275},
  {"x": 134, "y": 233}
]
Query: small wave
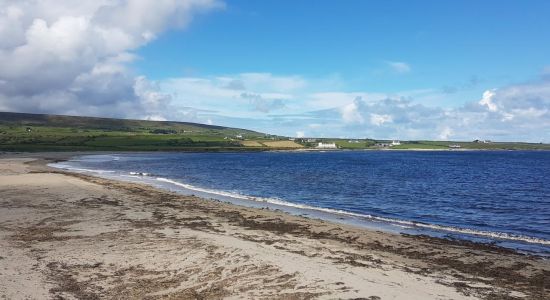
[
  {"x": 398, "y": 222},
  {"x": 140, "y": 173},
  {"x": 75, "y": 169}
]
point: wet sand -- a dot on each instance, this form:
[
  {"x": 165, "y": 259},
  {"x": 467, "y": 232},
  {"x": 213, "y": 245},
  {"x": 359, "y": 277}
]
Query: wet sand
[{"x": 67, "y": 235}]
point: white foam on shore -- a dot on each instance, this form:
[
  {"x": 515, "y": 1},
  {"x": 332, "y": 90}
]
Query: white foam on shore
[
  {"x": 139, "y": 173},
  {"x": 80, "y": 170},
  {"x": 400, "y": 223},
  {"x": 280, "y": 202}
]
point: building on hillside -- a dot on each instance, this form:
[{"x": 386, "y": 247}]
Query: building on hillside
[
  {"x": 322, "y": 145},
  {"x": 395, "y": 143}
]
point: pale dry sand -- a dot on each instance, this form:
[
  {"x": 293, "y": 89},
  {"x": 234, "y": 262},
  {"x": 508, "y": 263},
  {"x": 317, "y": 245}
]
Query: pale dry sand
[{"x": 74, "y": 236}]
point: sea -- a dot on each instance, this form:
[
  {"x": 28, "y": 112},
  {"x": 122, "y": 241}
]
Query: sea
[{"x": 498, "y": 197}]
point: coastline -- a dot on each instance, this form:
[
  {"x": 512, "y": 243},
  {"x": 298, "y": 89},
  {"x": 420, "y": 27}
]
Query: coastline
[
  {"x": 516, "y": 240},
  {"x": 366, "y": 261}
]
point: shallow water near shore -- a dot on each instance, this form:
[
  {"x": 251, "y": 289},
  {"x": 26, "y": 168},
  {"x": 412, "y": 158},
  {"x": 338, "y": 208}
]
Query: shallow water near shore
[{"x": 489, "y": 196}]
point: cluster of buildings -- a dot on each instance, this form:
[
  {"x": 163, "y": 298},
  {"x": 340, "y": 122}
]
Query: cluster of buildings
[{"x": 385, "y": 145}]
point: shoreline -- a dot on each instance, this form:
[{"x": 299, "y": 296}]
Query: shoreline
[
  {"x": 69, "y": 153},
  {"x": 521, "y": 243},
  {"x": 458, "y": 269}
]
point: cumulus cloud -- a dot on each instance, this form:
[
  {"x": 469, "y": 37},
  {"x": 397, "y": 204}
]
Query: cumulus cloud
[
  {"x": 487, "y": 101},
  {"x": 515, "y": 112},
  {"x": 388, "y": 117},
  {"x": 520, "y": 111},
  {"x": 352, "y": 113},
  {"x": 72, "y": 57},
  {"x": 376, "y": 119}
]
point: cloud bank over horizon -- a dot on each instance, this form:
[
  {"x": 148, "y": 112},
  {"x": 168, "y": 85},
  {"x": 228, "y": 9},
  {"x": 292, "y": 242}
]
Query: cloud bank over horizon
[
  {"x": 74, "y": 58},
  {"x": 297, "y": 106}
]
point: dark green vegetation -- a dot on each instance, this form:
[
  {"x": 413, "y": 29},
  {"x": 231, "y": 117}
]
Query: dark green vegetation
[{"x": 36, "y": 132}]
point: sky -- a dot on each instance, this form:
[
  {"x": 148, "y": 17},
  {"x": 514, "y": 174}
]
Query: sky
[{"x": 437, "y": 70}]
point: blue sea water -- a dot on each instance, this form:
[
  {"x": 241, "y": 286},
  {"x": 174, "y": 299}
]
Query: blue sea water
[{"x": 492, "y": 196}]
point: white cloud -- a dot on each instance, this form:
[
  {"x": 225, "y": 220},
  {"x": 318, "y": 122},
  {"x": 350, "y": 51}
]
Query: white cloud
[
  {"x": 399, "y": 66},
  {"x": 487, "y": 100},
  {"x": 351, "y": 113},
  {"x": 300, "y": 134},
  {"x": 376, "y": 119},
  {"x": 149, "y": 94},
  {"x": 71, "y": 56}
]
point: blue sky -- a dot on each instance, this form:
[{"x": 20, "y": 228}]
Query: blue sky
[
  {"x": 501, "y": 40},
  {"x": 382, "y": 69}
]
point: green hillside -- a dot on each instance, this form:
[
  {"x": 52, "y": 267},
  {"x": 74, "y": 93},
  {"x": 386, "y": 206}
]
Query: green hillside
[{"x": 37, "y": 132}]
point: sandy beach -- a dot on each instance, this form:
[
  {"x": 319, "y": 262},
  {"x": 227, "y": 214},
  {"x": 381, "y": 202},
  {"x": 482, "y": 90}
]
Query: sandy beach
[{"x": 72, "y": 236}]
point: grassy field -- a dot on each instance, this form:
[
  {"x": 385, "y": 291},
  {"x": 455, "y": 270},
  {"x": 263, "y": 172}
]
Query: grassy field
[{"x": 34, "y": 132}]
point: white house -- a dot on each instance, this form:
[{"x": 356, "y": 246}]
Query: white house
[
  {"x": 322, "y": 145},
  {"x": 395, "y": 143}
]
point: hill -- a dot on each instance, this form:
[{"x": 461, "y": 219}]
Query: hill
[{"x": 39, "y": 132}]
